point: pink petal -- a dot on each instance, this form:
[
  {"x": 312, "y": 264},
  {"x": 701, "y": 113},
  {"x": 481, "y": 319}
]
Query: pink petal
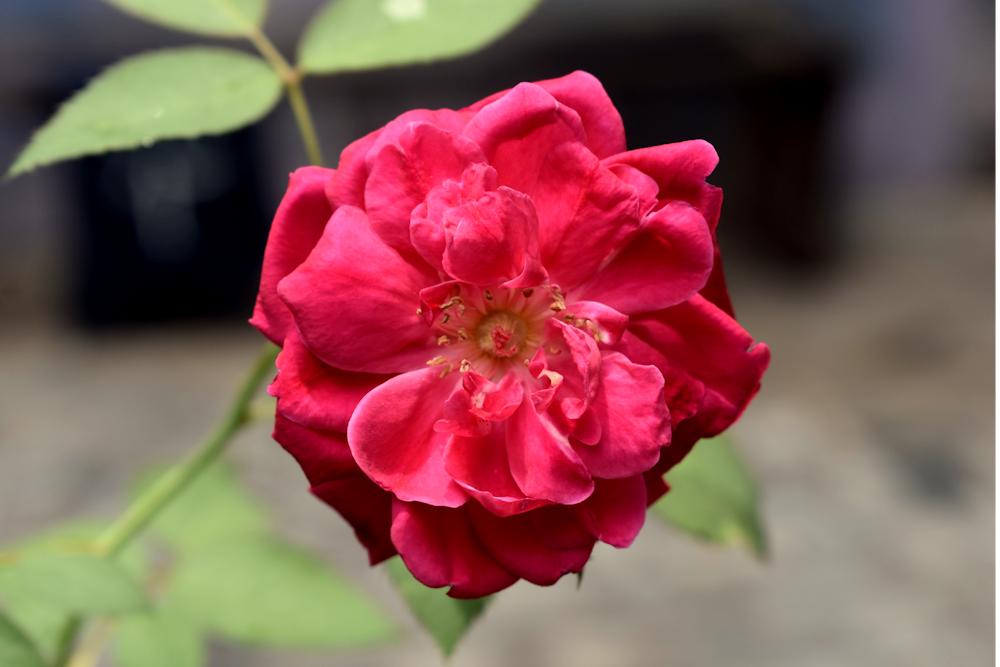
[
  {"x": 313, "y": 394},
  {"x": 634, "y": 420},
  {"x": 322, "y": 455},
  {"x": 584, "y": 211},
  {"x": 703, "y": 342},
  {"x": 297, "y": 226},
  {"x": 584, "y": 358},
  {"x": 542, "y": 461},
  {"x": 439, "y": 548},
  {"x": 680, "y": 170},
  {"x": 606, "y": 324},
  {"x": 518, "y": 130},
  {"x": 645, "y": 187},
  {"x": 487, "y": 241},
  {"x": 665, "y": 264},
  {"x": 682, "y": 392},
  {"x": 584, "y": 94},
  {"x": 480, "y": 466},
  {"x": 617, "y": 509},
  {"x": 513, "y": 543},
  {"x": 366, "y": 507},
  {"x": 446, "y": 119},
  {"x": 405, "y": 170},
  {"x": 563, "y": 527},
  {"x": 348, "y": 188},
  {"x": 551, "y": 381},
  {"x": 392, "y": 437},
  {"x": 355, "y": 300}
]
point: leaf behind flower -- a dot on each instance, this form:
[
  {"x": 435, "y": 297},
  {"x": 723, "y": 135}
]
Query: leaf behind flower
[
  {"x": 447, "y": 619},
  {"x": 168, "y": 94},
  {"x": 713, "y": 496},
  {"x": 16, "y": 649},
  {"x": 351, "y": 35},
  {"x": 206, "y": 17}
]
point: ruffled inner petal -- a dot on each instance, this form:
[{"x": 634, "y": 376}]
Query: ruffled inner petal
[{"x": 618, "y": 509}]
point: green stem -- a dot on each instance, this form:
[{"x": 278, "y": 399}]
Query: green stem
[
  {"x": 292, "y": 79},
  {"x": 172, "y": 482},
  {"x": 67, "y": 640}
]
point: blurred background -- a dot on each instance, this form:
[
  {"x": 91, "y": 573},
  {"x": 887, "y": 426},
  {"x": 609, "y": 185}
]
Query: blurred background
[{"x": 857, "y": 157}]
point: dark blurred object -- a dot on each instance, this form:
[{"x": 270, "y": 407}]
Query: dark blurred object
[{"x": 170, "y": 231}]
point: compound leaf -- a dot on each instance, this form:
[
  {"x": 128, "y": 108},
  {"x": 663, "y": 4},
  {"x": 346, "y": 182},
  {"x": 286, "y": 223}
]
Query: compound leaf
[{"x": 206, "y": 17}]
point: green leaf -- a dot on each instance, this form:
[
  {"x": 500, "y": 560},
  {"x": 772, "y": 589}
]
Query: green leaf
[
  {"x": 74, "y": 582},
  {"x": 163, "y": 638},
  {"x": 16, "y": 649},
  {"x": 447, "y": 619},
  {"x": 168, "y": 94},
  {"x": 206, "y": 17},
  {"x": 215, "y": 508},
  {"x": 366, "y": 34},
  {"x": 272, "y": 594},
  {"x": 713, "y": 496}
]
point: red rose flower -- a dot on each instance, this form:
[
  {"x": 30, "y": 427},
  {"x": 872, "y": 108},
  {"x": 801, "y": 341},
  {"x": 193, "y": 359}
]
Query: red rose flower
[{"x": 499, "y": 330}]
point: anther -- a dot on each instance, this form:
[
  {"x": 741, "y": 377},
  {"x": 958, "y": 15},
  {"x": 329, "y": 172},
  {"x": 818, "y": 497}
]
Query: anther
[
  {"x": 463, "y": 334},
  {"x": 444, "y": 320},
  {"x": 488, "y": 295},
  {"x": 555, "y": 350},
  {"x": 443, "y": 340},
  {"x": 437, "y": 361},
  {"x": 568, "y": 318},
  {"x": 465, "y": 366},
  {"x": 447, "y": 369},
  {"x": 597, "y": 335},
  {"x": 528, "y": 292},
  {"x": 420, "y": 312}
]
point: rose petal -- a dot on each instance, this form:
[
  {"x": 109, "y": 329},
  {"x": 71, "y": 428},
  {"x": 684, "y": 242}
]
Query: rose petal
[
  {"x": 313, "y": 394},
  {"x": 563, "y": 526},
  {"x": 584, "y": 213},
  {"x": 297, "y": 227},
  {"x": 404, "y": 171},
  {"x": 392, "y": 437},
  {"x": 606, "y": 324},
  {"x": 633, "y": 416},
  {"x": 322, "y": 455},
  {"x": 348, "y": 188},
  {"x": 617, "y": 509},
  {"x": 355, "y": 300},
  {"x": 481, "y": 467},
  {"x": 665, "y": 264},
  {"x": 585, "y": 358},
  {"x": 702, "y": 341},
  {"x": 542, "y": 461},
  {"x": 439, "y": 548},
  {"x": 518, "y": 131},
  {"x": 512, "y": 542}
]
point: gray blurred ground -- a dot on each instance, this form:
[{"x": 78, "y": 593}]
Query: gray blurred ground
[{"x": 872, "y": 439}]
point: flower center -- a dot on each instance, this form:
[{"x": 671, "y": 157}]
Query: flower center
[{"x": 501, "y": 334}]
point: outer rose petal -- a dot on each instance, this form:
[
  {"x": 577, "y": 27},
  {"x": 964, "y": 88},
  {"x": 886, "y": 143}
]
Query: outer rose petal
[
  {"x": 313, "y": 394},
  {"x": 542, "y": 460},
  {"x": 617, "y": 509},
  {"x": 606, "y": 324},
  {"x": 355, "y": 300},
  {"x": 518, "y": 131},
  {"x": 337, "y": 480},
  {"x": 403, "y": 172},
  {"x": 297, "y": 226},
  {"x": 392, "y": 437},
  {"x": 323, "y": 455},
  {"x": 703, "y": 342},
  {"x": 634, "y": 420},
  {"x": 583, "y": 93},
  {"x": 348, "y": 188},
  {"x": 680, "y": 170},
  {"x": 665, "y": 264},
  {"x": 513, "y": 543},
  {"x": 439, "y": 548},
  {"x": 584, "y": 212}
]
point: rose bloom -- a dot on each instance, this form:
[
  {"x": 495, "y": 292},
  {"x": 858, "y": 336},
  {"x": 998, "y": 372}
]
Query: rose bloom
[{"x": 499, "y": 330}]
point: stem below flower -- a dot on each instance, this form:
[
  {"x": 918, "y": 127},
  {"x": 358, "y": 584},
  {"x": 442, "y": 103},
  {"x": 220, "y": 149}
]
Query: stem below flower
[{"x": 142, "y": 511}]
